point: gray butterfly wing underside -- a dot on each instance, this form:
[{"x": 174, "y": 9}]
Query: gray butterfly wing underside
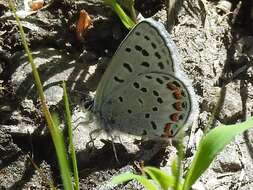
[
  {"x": 146, "y": 105},
  {"x": 148, "y": 48}
]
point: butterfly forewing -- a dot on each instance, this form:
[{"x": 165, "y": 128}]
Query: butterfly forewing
[{"x": 147, "y": 48}]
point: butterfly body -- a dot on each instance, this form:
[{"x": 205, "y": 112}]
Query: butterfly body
[{"x": 144, "y": 91}]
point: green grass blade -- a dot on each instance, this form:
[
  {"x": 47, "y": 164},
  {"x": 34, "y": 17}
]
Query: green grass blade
[
  {"x": 43, "y": 176},
  {"x": 126, "y": 20},
  {"x": 210, "y": 146},
  {"x": 52, "y": 126},
  {"x": 164, "y": 180},
  {"x": 70, "y": 135},
  {"x": 130, "y": 176},
  {"x": 180, "y": 156}
]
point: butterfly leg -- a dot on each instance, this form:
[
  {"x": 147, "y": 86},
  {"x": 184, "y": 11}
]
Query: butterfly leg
[
  {"x": 93, "y": 135},
  {"x": 109, "y": 133},
  {"x": 114, "y": 150}
]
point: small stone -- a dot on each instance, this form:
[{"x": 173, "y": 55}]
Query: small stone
[
  {"x": 198, "y": 186},
  {"x": 228, "y": 160}
]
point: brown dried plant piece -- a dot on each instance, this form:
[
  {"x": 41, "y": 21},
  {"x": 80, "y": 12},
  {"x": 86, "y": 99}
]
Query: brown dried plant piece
[
  {"x": 36, "y": 5},
  {"x": 82, "y": 25}
]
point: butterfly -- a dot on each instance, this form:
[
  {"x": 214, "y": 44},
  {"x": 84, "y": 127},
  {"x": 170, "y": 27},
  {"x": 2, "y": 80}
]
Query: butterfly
[{"x": 144, "y": 91}]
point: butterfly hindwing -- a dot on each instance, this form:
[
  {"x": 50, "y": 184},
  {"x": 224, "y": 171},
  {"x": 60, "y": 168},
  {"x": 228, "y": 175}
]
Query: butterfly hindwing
[{"x": 157, "y": 104}]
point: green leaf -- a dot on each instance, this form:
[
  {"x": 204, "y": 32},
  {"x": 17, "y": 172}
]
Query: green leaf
[
  {"x": 70, "y": 135},
  {"x": 210, "y": 146},
  {"x": 174, "y": 167},
  {"x": 128, "y": 22},
  {"x": 164, "y": 180},
  {"x": 53, "y": 127},
  {"x": 130, "y": 176}
]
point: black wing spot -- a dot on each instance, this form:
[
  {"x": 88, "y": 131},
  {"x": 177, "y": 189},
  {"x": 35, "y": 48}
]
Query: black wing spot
[
  {"x": 144, "y": 52},
  {"x": 153, "y": 124},
  {"x": 147, "y": 115},
  {"x": 117, "y": 79},
  {"x": 155, "y": 93},
  {"x": 148, "y": 77},
  {"x": 166, "y": 78},
  {"x": 160, "y": 65},
  {"x": 128, "y": 67},
  {"x": 146, "y": 37},
  {"x": 160, "y": 100},
  {"x": 137, "y": 33},
  {"x": 129, "y": 111},
  {"x": 144, "y": 132},
  {"x": 184, "y": 105},
  {"x": 144, "y": 89},
  {"x": 155, "y": 109},
  {"x": 183, "y": 93},
  {"x": 145, "y": 64},
  {"x": 121, "y": 99},
  {"x": 140, "y": 101},
  {"x": 159, "y": 80},
  {"x": 128, "y": 49},
  {"x": 153, "y": 45},
  {"x": 177, "y": 84},
  {"x": 138, "y": 48},
  {"x": 136, "y": 85},
  {"x": 181, "y": 116},
  {"x": 158, "y": 55}
]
